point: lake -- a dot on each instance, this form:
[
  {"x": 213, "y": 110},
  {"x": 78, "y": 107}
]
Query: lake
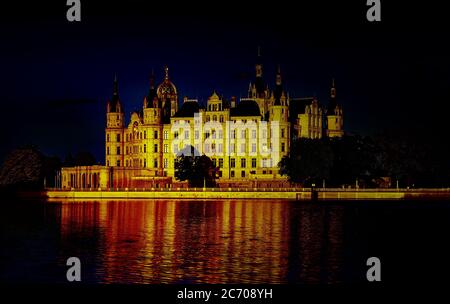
[{"x": 229, "y": 241}]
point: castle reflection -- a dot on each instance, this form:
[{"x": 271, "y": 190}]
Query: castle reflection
[{"x": 204, "y": 241}]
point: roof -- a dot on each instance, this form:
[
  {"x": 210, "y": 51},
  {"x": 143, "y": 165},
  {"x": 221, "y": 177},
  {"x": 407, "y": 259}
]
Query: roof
[
  {"x": 246, "y": 108},
  {"x": 188, "y": 109}
]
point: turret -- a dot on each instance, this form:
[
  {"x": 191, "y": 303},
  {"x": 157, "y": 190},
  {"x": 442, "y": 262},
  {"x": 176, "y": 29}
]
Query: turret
[
  {"x": 114, "y": 129},
  {"x": 335, "y": 120}
]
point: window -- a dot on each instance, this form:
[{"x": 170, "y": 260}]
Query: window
[
  {"x": 214, "y": 117},
  {"x": 155, "y": 134},
  {"x": 242, "y": 148},
  {"x": 243, "y": 133},
  {"x": 140, "y": 135},
  {"x": 145, "y": 134},
  {"x": 233, "y": 134},
  {"x": 107, "y": 150},
  {"x": 175, "y": 148},
  {"x": 220, "y": 162},
  {"x": 145, "y": 163},
  {"x": 118, "y": 137},
  {"x": 126, "y": 163},
  {"x": 155, "y": 163},
  {"x": 242, "y": 173},
  {"x": 253, "y": 134},
  {"x": 166, "y": 148},
  {"x": 214, "y": 161},
  {"x": 107, "y": 163},
  {"x": 232, "y": 148},
  {"x": 207, "y": 148},
  {"x": 253, "y": 162},
  {"x": 175, "y": 134},
  {"x": 253, "y": 148},
  {"x": 232, "y": 163},
  {"x": 220, "y": 174},
  {"x": 207, "y": 135},
  {"x": 221, "y": 118},
  {"x": 232, "y": 173},
  {"x": 107, "y": 137},
  {"x": 282, "y": 133},
  {"x": 196, "y": 135},
  {"x": 145, "y": 148},
  {"x": 243, "y": 162},
  {"x": 166, "y": 135},
  {"x": 186, "y": 134},
  {"x": 118, "y": 163},
  {"x": 155, "y": 148},
  {"x": 220, "y": 148},
  {"x": 166, "y": 163},
  {"x": 220, "y": 134},
  {"x": 213, "y": 134},
  {"x": 213, "y": 147},
  {"x": 282, "y": 147},
  {"x": 118, "y": 151}
]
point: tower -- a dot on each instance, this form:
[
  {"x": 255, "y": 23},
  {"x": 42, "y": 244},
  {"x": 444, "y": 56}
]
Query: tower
[
  {"x": 279, "y": 115},
  {"x": 167, "y": 95},
  {"x": 258, "y": 91},
  {"x": 114, "y": 129},
  {"x": 335, "y": 120}
]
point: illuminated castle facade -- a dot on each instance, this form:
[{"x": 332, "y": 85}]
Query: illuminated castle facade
[{"x": 245, "y": 138}]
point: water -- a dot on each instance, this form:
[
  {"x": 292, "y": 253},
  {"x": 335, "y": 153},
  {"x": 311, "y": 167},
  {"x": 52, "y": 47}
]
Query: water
[{"x": 140, "y": 241}]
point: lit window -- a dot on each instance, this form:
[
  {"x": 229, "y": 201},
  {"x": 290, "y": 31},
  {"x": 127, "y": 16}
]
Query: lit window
[{"x": 166, "y": 135}]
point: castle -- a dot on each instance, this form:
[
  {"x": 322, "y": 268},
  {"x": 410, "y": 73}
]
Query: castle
[{"x": 245, "y": 139}]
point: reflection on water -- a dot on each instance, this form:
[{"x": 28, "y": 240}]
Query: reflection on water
[{"x": 203, "y": 241}]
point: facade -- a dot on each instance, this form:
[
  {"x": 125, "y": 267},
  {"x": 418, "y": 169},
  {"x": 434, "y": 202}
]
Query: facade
[{"x": 245, "y": 139}]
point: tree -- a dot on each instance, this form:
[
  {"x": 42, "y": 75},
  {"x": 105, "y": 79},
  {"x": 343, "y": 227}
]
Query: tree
[
  {"x": 309, "y": 161},
  {"x": 197, "y": 170},
  {"x": 23, "y": 168}
]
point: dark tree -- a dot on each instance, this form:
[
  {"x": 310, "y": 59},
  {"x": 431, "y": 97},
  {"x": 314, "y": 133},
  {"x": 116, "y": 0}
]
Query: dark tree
[
  {"x": 309, "y": 161},
  {"x": 23, "y": 169},
  {"x": 197, "y": 170}
]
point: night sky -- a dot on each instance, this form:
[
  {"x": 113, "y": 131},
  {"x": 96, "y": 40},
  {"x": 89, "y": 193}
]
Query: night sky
[{"x": 56, "y": 76}]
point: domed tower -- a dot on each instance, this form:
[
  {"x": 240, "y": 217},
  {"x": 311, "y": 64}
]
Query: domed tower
[
  {"x": 335, "y": 119},
  {"x": 279, "y": 114},
  {"x": 114, "y": 129},
  {"x": 167, "y": 94}
]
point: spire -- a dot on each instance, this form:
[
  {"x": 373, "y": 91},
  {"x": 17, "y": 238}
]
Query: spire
[
  {"x": 278, "y": 92},
  {"x": 333, "y": 103},
  {"x": 166, "y": 72},
  {"x": 333, "y": 89},
  {"x": 116, "y": 85},
  {"x": 278, "y": 77}
]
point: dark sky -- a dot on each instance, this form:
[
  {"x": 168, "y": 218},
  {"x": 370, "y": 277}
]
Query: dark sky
[{"x": 56, "y": 76}]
